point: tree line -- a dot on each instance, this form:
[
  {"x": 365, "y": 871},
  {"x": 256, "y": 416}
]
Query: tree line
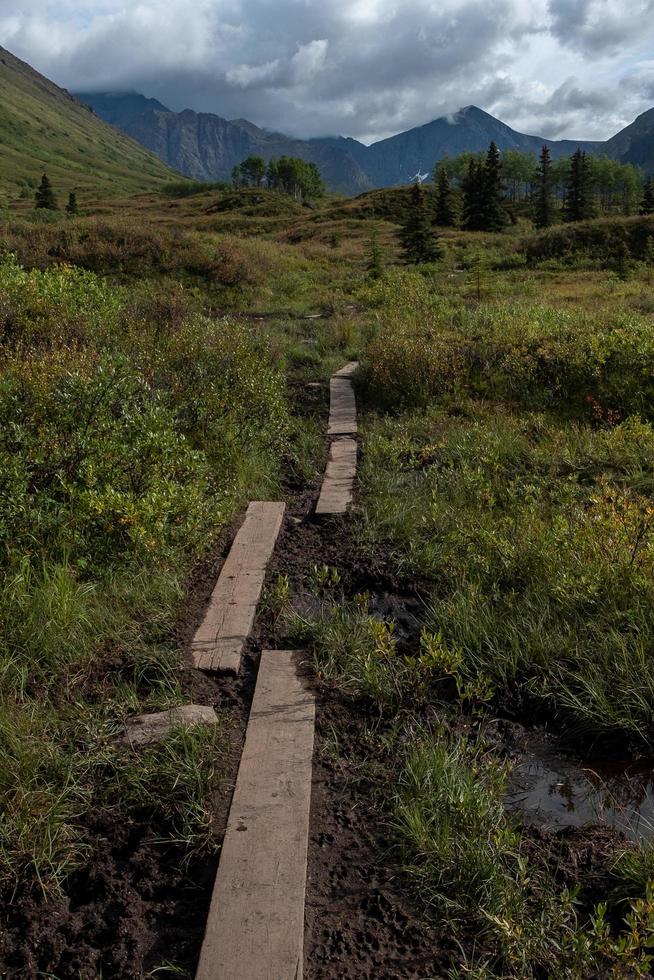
[
  {"x": 477, "y": 192},
  {"x": 615, "y": 186},
  {"x": 291, "y": 175},
  {"x": 476, "y": 198}
]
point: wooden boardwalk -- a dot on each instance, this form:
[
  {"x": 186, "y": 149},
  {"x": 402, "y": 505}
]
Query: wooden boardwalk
[
  {"x": 255, "y": 929},
  {"x": 337, "y": 490},
  {"x": 342, "y": 402},
  {"x": 218, "y": 644}
]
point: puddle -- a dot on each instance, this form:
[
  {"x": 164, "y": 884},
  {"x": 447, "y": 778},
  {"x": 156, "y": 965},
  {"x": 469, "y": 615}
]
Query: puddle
[{"x": 556, "y": 791}]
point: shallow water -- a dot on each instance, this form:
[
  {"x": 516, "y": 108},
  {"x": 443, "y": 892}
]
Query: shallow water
[{"x": 554, "y": 791}]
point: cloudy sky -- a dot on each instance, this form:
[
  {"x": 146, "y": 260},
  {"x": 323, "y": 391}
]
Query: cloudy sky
[{"x": 363, "y": 68}]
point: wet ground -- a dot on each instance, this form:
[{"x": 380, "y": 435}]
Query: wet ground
[
  {"x": 137, "y": 904},
  {"x": 554, "y": 788}
]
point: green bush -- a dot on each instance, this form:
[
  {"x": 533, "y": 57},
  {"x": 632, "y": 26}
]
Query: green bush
[
  {"x": 428, "y": 346},
  {"x": 131, "y": 428},
  {"x": 594, "y": 242}
]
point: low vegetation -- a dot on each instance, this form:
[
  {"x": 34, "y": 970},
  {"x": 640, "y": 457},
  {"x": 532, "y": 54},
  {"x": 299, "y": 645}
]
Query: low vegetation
[
  {"x": 154, "y": 357},
  {"x": 130, "y": 435}
]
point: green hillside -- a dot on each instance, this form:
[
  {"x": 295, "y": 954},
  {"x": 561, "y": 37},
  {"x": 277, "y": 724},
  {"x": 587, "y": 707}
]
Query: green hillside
[{"x": 42, "y": 127}]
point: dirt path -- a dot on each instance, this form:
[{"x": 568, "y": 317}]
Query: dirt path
[{"x": 361, "y": 921}]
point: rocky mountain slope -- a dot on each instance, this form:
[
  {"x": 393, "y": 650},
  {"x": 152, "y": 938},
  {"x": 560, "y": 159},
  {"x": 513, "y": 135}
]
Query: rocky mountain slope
[
  {"x": 206, "y": 146},
  {"x": 635, "y": 144}
]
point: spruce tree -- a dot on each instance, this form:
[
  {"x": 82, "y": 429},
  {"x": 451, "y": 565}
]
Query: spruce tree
[
  {"x": 45, "y": 196},
  {"x": 543, "y": 198},
  {"x": 419, "y": 241},
  {"x": 493, "y": 214},
  {"x": 647, "y": 204},
  {"x": 472, "y": 187},
  {"x": 444, "y": 215},
  {"x": 71, "y": 207},
  {"x": 375, "y": 258},
  {"x": 622, "y": 261},
  {"x": 579, "y": 204}
]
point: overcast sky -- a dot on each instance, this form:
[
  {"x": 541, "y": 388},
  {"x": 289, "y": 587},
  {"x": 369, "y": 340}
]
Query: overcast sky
[{"x": 365, "y": 68}]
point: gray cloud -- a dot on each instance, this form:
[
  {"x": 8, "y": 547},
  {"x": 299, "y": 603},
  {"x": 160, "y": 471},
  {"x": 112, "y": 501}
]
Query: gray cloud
[
  {"x": 597, "y": 26},
  {"x": 365, "y": 68}
]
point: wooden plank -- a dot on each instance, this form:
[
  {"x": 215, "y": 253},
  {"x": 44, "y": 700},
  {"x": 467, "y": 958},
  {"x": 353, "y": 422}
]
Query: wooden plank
[
  {"x": 347, "y": 370},
  {"x": 338, "y": 485},
  {"x": 255, "y": 928},
  {"x": 218, "y": 643},
  {"x": 342, "y": 402}
]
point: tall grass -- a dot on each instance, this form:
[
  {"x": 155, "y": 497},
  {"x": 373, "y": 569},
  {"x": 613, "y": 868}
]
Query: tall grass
[{"x": 538, "y": 539}]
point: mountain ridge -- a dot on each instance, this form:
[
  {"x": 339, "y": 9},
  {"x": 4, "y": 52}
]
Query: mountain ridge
[{"x": 206, "y": 146}]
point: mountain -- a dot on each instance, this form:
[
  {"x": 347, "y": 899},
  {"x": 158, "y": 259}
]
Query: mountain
[
  {"x": 44, "y": 128},
  {"x": 635, "y": 144},
  {"x": 122, "y": 108},
  {"x": 399, "y": 158},
  {"x": 207, "y": 147}
]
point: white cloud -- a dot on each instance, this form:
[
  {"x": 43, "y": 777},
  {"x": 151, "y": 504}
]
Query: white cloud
[
  {"x": 245, "y": 76},
  {"x": 309, "y": 60}
]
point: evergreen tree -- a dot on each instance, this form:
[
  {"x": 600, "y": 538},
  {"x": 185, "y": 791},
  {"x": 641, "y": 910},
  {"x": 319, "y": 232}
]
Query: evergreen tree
[
  {"x": 71, "y": 207},
  {"x": 419, "y": 241},
  {"x": 472, "y": 187},
  {"x": 647, "y": 204},
  {"x": 543, "y": 197},
  {"x": 375, "y": 258},
  {"x": 579, "y": 204},
  {"x": 45, "y": 196},
  {"x": 445, "y": 216},
  {"x": 493, "y": 214},
  {"x": 622, "y": 261}
]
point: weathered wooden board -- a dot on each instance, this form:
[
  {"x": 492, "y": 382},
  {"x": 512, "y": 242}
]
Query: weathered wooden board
[
  {"x": 338, "y": 485},
  {"x": 255, "y": 928},
  {"x": 342, "y": 402},
  {"x": 219, "y": 641}
]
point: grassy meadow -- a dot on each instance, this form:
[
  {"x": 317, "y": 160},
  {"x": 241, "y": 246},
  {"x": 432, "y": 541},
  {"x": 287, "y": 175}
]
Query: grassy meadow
[{"x": 153, "y": 355}]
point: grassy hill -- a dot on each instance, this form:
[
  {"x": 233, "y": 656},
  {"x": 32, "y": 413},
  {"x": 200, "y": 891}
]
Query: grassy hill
[{"x": 42, "y": 127}]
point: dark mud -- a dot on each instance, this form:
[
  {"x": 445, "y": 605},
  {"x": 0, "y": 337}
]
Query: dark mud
[
  {"x": 134, "y": 905},
  {"x": 361, "y": 922}
]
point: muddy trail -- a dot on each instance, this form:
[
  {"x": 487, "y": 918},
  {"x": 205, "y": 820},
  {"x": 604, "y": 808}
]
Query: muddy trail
[
  {"x": 136, "y": 904},
  {"x": 363, "y": 921}
]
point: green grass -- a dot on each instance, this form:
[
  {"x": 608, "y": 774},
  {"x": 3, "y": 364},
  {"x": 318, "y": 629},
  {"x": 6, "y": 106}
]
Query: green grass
[
  {"x": 42, "y": 128},
  {"x": 537, "y": 538}
]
